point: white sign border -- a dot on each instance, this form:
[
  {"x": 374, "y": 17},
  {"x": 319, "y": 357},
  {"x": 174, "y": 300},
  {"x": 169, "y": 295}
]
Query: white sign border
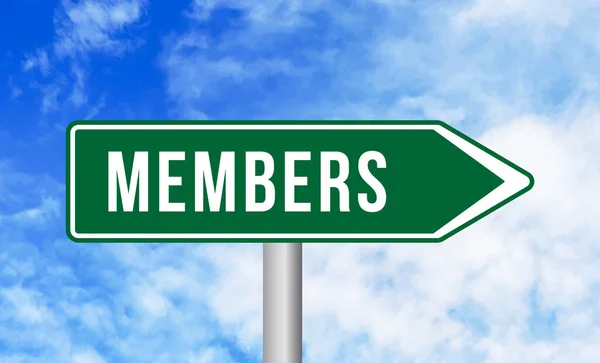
[{"x": 514, "y": 182}]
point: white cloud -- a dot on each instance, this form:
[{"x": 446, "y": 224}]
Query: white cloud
[
  {"x": 87, "y": 356},
  {"x": 211, "y": 355},
  {"x": 15, "y": 92},
  {"x": 534, "y": 12},
  {"x": 46, "y": 213},
  {"x": 50, "y": 98},
  {"x": 77, "y": 96},
  {"x": 196, "y": 71},
  {"x": 39, "y": 60},
  {"x": 21, "y": 191},
  {"x": 94, "y": 110},
  {"x": 434, "y": 108},
  {"x": 27, "y": 306},
  {"x": 267, "y": 16},
  {"x": 94, "y": 25},
  {"x": 83, "y": 28}
]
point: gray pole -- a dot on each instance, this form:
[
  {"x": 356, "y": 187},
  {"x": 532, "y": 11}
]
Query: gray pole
[{"x": 282, "y": 303}]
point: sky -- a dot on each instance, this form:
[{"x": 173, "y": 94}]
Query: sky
[{"x": 520, "y": 76}]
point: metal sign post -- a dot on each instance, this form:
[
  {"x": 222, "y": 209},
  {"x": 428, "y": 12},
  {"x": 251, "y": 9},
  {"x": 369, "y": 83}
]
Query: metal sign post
[{"x": 282, "y": 303}]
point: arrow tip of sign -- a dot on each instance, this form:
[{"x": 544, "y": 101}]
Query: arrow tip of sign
[{"x": 516, "y": 181}]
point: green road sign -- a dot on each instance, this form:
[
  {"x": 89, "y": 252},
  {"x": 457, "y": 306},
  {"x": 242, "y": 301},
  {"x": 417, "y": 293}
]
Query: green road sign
[{"x": 267, "y": 181}]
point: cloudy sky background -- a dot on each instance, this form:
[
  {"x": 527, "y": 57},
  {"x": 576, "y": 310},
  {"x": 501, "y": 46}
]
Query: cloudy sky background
[{"x": 520, "y": 76}]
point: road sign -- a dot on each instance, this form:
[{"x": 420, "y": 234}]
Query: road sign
[{"x": 289, "y": 181}]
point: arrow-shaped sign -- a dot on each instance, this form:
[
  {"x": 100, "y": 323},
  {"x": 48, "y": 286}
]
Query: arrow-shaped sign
[{"x": 292, "y": 181}]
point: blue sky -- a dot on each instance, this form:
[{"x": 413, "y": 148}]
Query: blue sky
[{"x": 521, "y": 76}]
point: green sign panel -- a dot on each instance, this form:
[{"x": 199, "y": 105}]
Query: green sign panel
[{"x": 267, "y": 181}]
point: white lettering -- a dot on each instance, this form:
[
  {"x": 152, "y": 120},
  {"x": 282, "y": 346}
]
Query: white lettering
[
  {"x": 252, "y": 180},
  {"x": 327, "y": 182},
  {"x": 225, "y": 177},
  {"x": 116, "y": 175},
  {"x": 365, "y": 173},
  {"x": 166, "y": 181},
  {"x": 291, "y": 181}
]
